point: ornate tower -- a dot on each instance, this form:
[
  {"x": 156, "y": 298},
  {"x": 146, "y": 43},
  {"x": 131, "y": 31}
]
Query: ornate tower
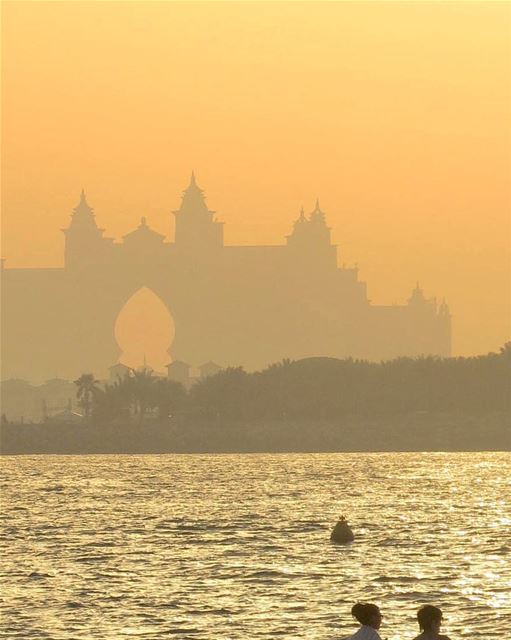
[
  {"x": 320, "y": 233},
  {"x": 430, "y": 325},
  {"x": 417, "y": 300},
  {"x": 196, "y": 227},
  {"x": 84, "y": 239},
  {"x": 310, "y": 241},
  {"x": 299, "y": 235}
]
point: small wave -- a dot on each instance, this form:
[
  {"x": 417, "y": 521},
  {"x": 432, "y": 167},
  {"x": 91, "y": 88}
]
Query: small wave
[
  {"x": 93, "y": 558},
  {"x": 266, "y": 573},
  {"x": 502, "y": 550},
  {"x": 388, "y": 542},
  {"x": 36, "y": 575},
  {"x": 195, "y": 527},
  {"x": 271, "y": 547},
  {"x": 211, "y": 612},
  {"x": 57, "y": 488},
  {"x": 10, "y": 530},
  {"x": 306, "y": 526},
  {"x": 408, "y": 595},
  {"x": 398, "y": 579}
]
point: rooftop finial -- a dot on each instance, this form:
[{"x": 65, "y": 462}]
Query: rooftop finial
[
  {"x": 317, "y": 214},
  {"x": 83, "y": 205}
]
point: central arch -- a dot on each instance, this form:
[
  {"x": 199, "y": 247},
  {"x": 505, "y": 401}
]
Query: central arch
[{"x": 144, "y": 330}]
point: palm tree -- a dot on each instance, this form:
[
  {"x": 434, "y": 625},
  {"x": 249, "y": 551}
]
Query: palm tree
[
  {"x": 88, "y": 390},
  {"x": 169, "y": 397},
  {"x": 142, "y": 388}
]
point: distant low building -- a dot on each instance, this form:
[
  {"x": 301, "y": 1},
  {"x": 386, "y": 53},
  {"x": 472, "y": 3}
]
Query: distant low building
[
  {"x": 19, "y": 399},
  {"x": 117, "y": 371},
  {"x": 179, "y": 371},
  {"x": 58, "y": 388},
  {"x": 209, "y": 369}
]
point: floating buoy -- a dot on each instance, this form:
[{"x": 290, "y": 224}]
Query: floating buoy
[{"x": 342, "y": 532}]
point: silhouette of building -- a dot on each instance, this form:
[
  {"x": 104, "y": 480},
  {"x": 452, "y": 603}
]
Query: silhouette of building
[
  {"x": 179, "y": 372},
  {"x": 209, "y": 369},
  {"x": 118, "y": 372},
  {"x": 248, "y": 305}
]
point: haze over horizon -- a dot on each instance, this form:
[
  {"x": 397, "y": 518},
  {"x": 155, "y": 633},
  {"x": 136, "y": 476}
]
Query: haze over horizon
[{"x": 395, "y": 115}]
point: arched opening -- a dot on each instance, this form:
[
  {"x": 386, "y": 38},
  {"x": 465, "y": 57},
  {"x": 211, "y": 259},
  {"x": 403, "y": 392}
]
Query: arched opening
[{"x": 144, "y": 331}]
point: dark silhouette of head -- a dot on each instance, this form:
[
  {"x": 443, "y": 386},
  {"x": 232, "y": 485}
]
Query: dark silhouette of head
[
  {"x": 429, "y": 618},
  {"x": 367, "y": 614}
]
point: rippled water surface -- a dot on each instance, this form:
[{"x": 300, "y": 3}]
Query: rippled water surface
[{"x": 237, "y": 546}]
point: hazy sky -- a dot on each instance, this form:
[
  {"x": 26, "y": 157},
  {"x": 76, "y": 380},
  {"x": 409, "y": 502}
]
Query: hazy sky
[{"x": 397, "y": 115}]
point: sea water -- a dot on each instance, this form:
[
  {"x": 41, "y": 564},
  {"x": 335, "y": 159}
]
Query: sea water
[{"x": 237, "y": 546}]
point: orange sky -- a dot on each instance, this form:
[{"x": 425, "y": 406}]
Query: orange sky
[{"x": 397, "y": 115}]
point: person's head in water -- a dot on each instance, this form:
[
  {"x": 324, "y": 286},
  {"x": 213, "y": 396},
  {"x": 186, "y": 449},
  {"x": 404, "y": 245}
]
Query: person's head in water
[
  {"x": 429, "y": 618},
  {"x": 367, "y": 614}
]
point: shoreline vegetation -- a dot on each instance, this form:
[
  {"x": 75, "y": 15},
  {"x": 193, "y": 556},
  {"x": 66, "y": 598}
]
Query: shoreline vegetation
[
  {"x": 412, "y": 432},
  {"x": 311, "y": 405}
]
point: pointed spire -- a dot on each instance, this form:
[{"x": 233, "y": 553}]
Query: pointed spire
[
  {"x": 317, "y": 208},
  {"x": 443, "y": 310},
  {"x": 83, "y": 214},
  {"x": 193, "y": 186},
  {"x": 418, "y": 289},
  {"x": 317, "y": 214},
  {"x": 83, "y": 205},
  {"x": 417, "y": 295},
  {"x": 301, "y": 222},
  {"x": 193, "y": 198},
  {"x": 301, "y": 218}
]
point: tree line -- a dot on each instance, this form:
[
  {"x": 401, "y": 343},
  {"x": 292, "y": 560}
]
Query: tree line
[{"x": 315, "y": 388}]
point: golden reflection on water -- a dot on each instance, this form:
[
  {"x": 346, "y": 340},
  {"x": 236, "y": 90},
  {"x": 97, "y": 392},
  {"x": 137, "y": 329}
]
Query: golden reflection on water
[{"x": 237, "y": 546}]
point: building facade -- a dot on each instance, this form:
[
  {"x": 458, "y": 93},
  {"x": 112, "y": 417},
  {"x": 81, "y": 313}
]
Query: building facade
[{"x": 232, "y": 305}]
